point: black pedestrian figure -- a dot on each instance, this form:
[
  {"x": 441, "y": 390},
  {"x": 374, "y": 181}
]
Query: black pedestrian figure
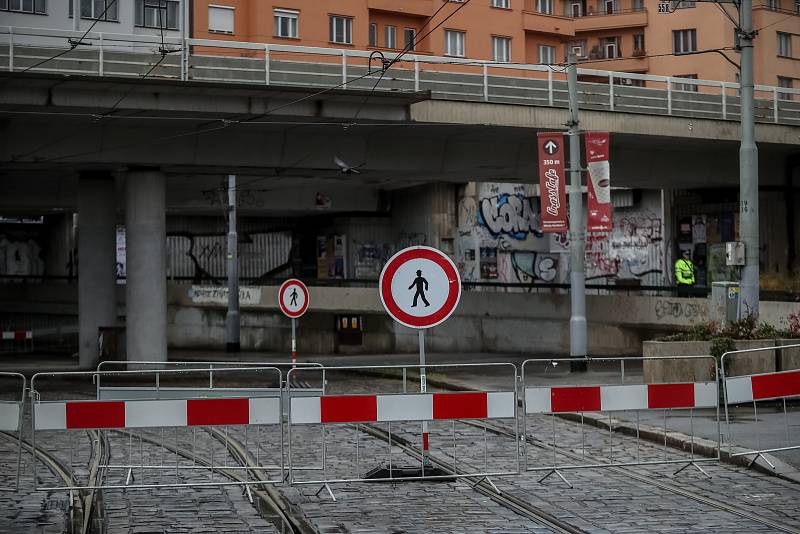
[
  {"x": 419, "y": 282},
  {"x": 294, "y": 296}
]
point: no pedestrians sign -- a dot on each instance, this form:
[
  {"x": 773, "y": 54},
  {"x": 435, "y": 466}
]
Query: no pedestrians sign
[
  {"x": 420, "y": 287},
  {"x": 293, "y": 298}
]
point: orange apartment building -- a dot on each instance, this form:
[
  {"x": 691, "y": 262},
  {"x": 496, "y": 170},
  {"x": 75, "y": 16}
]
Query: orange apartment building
[{"x": 620, "y": 35}]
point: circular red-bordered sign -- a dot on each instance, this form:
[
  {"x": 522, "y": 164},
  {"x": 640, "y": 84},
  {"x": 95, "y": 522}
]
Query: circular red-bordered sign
[
  {"x": 420, "y": 287},
  {"x": 293, "y": 298}
]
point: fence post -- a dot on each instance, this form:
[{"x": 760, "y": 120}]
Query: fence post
[
  {"x": 10, "y": 49},
  {"x": 416, "y": 73},
  {"x": 775, "y": 103},
  {"x": 185, "y": 60},
  {"x": 724, "y": 101},
  {"x": 669, "y": 96},
  {"x": 485, "y": 83},
  {"x": 101, "y": 56},
  {"x": 344, "y": 69},
  {"x": 549, "y": 86},
  {"x": 266, "y": 64},
  {"x": 611, "y": 90}
]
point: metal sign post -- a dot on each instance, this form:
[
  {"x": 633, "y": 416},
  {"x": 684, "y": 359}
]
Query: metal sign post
[
  {"x": 294, "y": 343},
  {"x": 420, "y": 287},
  {"x": 293, "y": 301}
]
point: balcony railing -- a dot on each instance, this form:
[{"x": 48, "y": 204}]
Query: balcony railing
[{"x": 448, "y": 78}]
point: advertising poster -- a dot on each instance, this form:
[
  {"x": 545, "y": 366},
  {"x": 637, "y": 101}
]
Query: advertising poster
[
  {"x": 599, "y": 182},
  {"x": 552, "y": 192}
]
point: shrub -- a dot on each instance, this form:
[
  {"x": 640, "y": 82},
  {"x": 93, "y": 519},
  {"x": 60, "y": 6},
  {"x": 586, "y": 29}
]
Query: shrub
[
  {"x": 794, "y": 325},
  {"x": 720, "y": 345}
]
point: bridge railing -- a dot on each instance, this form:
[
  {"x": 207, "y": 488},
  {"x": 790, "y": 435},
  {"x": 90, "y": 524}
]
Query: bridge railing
[{"x": 211, "y": 60}]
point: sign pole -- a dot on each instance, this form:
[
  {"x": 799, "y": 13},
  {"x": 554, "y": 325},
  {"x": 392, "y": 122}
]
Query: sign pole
[
  {"x": 294, "y": 343},
  {"x": 423, "y": 387},
  {"x": 232, "y": 318}
]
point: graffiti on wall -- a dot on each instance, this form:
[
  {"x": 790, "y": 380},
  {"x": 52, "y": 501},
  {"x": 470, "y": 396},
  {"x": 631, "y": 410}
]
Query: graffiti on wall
[
  {"x": 509, "y": 214},
  {"x": 673, "y": 309},
  {"x": 20, "y": 258},
  {"x": 370, "y": 258}
]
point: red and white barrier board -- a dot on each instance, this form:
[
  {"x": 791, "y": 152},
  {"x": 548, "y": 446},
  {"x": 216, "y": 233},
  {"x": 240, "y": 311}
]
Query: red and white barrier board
[
  {"x": 156, "y": 413},
  {"x": 16, "y": 335},
  {"x": 402, "y": 407},
  {"x": 762, "y": 386},
  {"x": 616, "y": 398},
  {"x": 9, "y": 416}
]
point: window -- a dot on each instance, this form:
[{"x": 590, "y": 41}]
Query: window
[
  {"x": 454, "y": 43},
  {"x": 544, "y": 6},
  {"x": 609, "y": 47},
  {"x": 505, "y": 4},
  {"x": 638, "y": 5},
  {"x": 547, "y": 54},
  {"x": 784, "y": 44},
  {"x": 774, "y": 5},
  {"x": 38, "y": 7},
  {"x": 220, "y": 19},
  {"x": 684, "y": 41},
  {"x": 686, "y": 86},
  {"x": 638, "y": 44},
  {"x": 286, "y": 21},
  {"x": 786, "y": 83},
  {"x": 501, "y": 49},
  {"x": 686, "y": 4},
  {"x": 341, "y": 29},
  {"x": 578, "y": 48},
  {"x": 410, "y": 35},
  {"x": 373, "y": 34},
  {"x": 390, "y": 36},
  {"x": 92, "y": 9},
  {"x": 610, "y": 7},
  {"x": 157, "y": 14},
  {"x": 576, "y": 9}
]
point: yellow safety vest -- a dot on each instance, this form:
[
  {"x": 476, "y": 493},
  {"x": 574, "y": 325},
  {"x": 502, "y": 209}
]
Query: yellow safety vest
[{"x": 684, "y": 272}]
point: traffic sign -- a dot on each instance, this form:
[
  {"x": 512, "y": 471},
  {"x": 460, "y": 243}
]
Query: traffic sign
[
  {"x": 293, "y": 298},
  {"x": 420, "y": 287}
]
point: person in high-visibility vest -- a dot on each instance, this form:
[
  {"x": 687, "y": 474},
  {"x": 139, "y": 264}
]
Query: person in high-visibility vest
[{"x": 684, "y": 274}]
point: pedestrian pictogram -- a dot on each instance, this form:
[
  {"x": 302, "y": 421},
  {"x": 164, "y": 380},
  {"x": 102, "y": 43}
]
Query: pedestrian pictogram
[
  {"x": 293, "y": 298},
  {"x": 420, "y": 287}
]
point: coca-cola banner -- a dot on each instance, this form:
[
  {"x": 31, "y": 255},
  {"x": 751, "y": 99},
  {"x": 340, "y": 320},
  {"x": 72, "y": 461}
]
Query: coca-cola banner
[
  {"x": 551, "y": 182},
  {"x": 599, "y": 182}
]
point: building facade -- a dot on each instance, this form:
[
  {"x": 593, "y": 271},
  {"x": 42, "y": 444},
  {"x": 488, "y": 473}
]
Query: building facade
[{"x": 620, "y": 35}]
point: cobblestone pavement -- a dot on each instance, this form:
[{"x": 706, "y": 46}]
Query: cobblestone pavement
[{"x": 603, "y": 499}]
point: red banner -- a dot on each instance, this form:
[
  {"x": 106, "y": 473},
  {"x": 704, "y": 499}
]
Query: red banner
[
  {"x": 599, "y": 182},
  {"x": 551, "y": 182}
]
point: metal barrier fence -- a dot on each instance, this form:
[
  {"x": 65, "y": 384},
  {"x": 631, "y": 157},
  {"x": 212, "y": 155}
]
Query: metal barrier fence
[
  {"x": 375, "y": 405},
  {"x": 139, "y": 426},
  {"x": 11, "y": 417},
  {"x": 612, "y": 395},
  {"x": 452, "y": 78},
  {"x": 753, "y": 377}
]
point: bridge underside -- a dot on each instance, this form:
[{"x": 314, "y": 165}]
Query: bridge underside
[{"x": 53, "y": 127}]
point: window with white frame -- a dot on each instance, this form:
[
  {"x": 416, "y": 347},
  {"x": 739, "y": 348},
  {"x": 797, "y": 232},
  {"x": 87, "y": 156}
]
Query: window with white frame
[
  {"x": 684, "y": 41},
  {"x": 454, "y": 43},
  {"x": 547, "y": 54},
  {"x": 410, "y": 38},
  {"x": 286, "y": 23},
  {"x": 609, "y": 47},
  {"x": 341, "y": 29},
  {"x": 576, "y": 8},
  {"x": 784, "y": 44},
  {"x": 501, "y": 49},
  {"x": 774, "y": 5},
  {"x": 638, "y": 5},
  {"x": 578, "y": 48},
  {"x": 544, "y": 6},
  {"x": 373, "y": 34},
  {"x": 93, "y": 9},
  {"x": 505, "y": 4},
  {"x": 390, "y": 36},
  {"x": 686, "y": 86},
  {"x": 638, "y": 43},
  {"x": 157, "y": 14},
  {"x": 38, "y": 7},
  {"x": 220, "y": 19},
  {"x": 786, "y": 83}
]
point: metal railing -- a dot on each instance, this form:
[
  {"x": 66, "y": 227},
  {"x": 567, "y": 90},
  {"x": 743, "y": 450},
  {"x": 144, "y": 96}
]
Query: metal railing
[{"x": 209, "y": 60}]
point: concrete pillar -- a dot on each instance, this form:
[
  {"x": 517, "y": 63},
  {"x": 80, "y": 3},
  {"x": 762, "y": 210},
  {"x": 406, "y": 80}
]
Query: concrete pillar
[
  {"x": 97, "y": 298},
  {"x": 146, "y": 249}
]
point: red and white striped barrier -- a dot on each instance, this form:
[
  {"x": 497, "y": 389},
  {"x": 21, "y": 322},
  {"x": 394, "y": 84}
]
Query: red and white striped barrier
[
  {"x": 402, "y": 407},
  {"x": 762, "y": 387},
  {"x": 16, "y": 335},
  {"x": 72, "y": 415},
  {"x": 564, "y": 399}
]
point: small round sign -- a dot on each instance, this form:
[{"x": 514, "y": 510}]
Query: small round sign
[
  {"x": 420, "y": 287},
  {"x": 293, "y": 298}
]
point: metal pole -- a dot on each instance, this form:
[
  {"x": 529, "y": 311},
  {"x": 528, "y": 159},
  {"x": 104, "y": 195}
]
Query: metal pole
[
  {"x": 294, "y": 343},
  {"x": 748, "y": 169},
  {"x": 76, "y": 15},
  {"x": 577, "y": 235},
  {"x": 423, "y": 387},
  {"x": 232, "y": 317}
]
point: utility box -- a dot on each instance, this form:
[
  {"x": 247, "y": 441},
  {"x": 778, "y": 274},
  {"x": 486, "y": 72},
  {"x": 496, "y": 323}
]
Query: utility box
[
  {"x": 734, "y": 253},
  {"x": 724, "y": 306}
]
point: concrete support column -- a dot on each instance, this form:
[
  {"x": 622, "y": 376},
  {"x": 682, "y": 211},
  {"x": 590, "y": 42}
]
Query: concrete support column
[
  {"x": 97, "y": 298},
  {"x": 146, "y": 262}
]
